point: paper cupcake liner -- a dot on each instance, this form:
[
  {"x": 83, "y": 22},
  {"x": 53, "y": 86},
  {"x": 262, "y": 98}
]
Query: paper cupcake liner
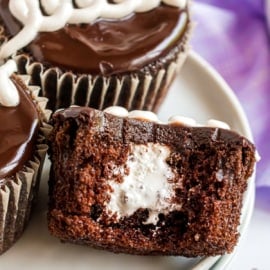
[
  {"x": 134, "y": 91},
  {"x": 18, "y": 193},
  {"x": 143, "y": 90}
]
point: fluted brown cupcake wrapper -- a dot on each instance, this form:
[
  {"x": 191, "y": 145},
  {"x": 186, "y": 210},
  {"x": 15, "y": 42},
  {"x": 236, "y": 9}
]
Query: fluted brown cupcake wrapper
[
  {"x": 132, "y": 91},
  {"x": 18, "y": 193}
]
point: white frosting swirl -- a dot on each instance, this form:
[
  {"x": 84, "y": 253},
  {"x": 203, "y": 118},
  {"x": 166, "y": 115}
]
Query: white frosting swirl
[{"x": 9, "y": 96}]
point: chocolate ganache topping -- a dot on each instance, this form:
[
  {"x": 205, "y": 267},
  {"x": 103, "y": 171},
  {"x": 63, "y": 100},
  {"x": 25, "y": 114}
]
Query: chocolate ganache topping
[
  {"x": 18, "y": 130},
  {"x": 107, "y": 46}
]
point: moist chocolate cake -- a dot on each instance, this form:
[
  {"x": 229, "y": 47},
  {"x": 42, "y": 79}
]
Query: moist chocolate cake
[
  {"x": 97, "y": 53},
  {"x": 128, "y": 183}
]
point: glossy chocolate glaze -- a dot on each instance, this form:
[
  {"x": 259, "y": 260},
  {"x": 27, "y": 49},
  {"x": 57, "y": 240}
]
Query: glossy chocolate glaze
[
  {"x": 18, "y": 130},
  {"x": 107, "y": 47}
]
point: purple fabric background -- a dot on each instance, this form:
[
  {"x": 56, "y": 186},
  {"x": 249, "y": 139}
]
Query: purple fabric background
[{"x": 233, "y": 36}]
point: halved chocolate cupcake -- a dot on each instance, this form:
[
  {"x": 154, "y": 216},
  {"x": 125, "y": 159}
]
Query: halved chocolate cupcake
[
  {"x": 98, "y": 53},
  {"x": 22, "y": 150},
  {"x": 127, "y": 183}
]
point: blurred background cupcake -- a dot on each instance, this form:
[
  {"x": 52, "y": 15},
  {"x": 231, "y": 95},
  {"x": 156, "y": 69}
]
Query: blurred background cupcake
[
  {"x": 98, "y": 53},
  {"x": 22, "y": 150}
]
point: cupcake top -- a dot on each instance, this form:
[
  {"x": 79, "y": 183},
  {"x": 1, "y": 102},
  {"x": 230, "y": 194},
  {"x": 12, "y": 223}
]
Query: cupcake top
[
  {"x": 177, "y": 120},
  {"x": 117, "y": 36},
  {"x": 19, "y": 122}
]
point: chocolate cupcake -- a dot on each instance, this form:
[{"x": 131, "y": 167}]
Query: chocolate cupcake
[
  {"x": 98, "y": 53},
  {"x": 22, "y": 150},
  {"x": 125, "y": 182}
]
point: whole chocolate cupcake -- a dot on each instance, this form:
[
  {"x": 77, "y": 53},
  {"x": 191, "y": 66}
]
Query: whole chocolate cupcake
[
  {"x": 22, "y": 151},
  {"x": 98, "y": 53}
]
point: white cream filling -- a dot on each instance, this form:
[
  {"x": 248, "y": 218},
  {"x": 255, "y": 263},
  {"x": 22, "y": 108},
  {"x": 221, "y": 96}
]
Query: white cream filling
[
  {"x": 185, "y": 121},
  {"x": 146, "y": 186}
]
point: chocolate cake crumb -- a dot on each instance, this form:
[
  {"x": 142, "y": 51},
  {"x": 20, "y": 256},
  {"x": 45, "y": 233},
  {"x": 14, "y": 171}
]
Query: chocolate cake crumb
[{"x": 197, "y": 209}]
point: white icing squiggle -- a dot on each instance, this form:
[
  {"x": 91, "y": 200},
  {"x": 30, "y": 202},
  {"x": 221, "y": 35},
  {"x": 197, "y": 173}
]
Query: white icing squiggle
[
  {"x": 185, "y": 121},
  {"x": 143, "y": 115},
  {"x": 117, "y": 111},
  {"x": 174, "y": 120},
  {"x": 136, "y": 114},
  {"x": 9, "y": 96},
  {"x": 217, "y": 124},
  {"x": 257, "y": 156},
  {"x": 61, "y": 12}
]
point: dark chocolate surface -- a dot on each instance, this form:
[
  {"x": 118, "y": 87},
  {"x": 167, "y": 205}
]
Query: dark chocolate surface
[
  {"x": 107, "y": 46},
  {"x": 203, "y": 133},
  {"x": 18, "y": 130}
]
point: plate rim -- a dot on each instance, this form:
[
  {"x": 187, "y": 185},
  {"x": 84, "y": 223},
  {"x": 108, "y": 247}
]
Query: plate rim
[
  {"x": 219, "y": 262},
  {"x": 227, "y": 91}
]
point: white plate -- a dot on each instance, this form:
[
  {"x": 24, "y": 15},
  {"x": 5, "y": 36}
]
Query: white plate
[{"x": 197, "y": 92}]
